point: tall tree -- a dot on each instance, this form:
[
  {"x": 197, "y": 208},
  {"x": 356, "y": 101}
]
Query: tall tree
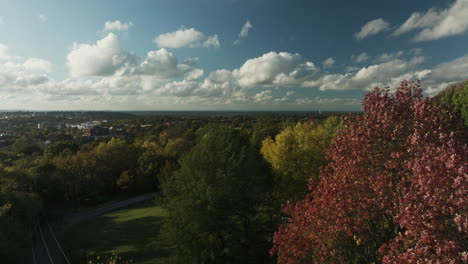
[
  {"x": 395, "y": 190},
  {"x": 217, "y": 201}
]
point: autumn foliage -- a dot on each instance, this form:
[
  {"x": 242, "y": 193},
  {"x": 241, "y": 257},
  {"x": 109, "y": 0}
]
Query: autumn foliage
[{"x": 395, "y": 190}]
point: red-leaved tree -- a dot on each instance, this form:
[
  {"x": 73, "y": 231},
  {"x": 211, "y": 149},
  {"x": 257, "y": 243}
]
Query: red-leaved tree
[{"x": 395, "y": 190}]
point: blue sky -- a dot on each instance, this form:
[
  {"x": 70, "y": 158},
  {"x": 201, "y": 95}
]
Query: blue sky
[{"x": 224, "y": 54}]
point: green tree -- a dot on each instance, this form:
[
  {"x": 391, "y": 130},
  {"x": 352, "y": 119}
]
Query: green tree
[
  {"x": 25, "y": 146},
  {"x": 60, "y": 148},
  {"x": 217, "y": 201},
  {"x": 17, "y": 208},
  {"x": 262, "y": 128},
  {"x": 298, "y": 152},
  {"x": 457, "y": 98}
]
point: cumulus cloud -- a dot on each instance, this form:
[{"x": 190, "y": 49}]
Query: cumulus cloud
[
  {"x": 191, "y": 38},
  {"x": 220, "y": 83},
  {"x": 116, "y": 26},
  {"x": 360, "y": 58},
  {"x": 437, "y": 23},
  {"x": 275, "y": 69},
  {"x": 244, "y": 32},
  {"x": 102, "y": 58},
  {"x": 328, "y": 63},
  {"x": 270, "y": 70},
  {"x": 372, "y": 27},
  {"x": 121, "y": 72},
  {"x": 263, "y": 97},
  {"x": 162, "y": 65},
  {"x": 42, "y": 17},
  {"x": 16, "y": 77}
]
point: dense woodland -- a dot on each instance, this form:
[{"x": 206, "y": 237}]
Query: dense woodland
[{"x": 388, "y": 185}]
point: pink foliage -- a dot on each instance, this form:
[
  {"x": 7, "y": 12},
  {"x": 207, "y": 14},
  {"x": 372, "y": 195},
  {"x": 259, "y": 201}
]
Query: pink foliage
[{"x": 395, "y": 190}]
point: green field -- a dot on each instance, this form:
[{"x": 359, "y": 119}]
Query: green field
[{"x": 132, "y": 233}]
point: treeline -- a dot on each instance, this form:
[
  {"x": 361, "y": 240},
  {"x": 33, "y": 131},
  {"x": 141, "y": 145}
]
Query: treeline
[{"x": 70, "y": 173}]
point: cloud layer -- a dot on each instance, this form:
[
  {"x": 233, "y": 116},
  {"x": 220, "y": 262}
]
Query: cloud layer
[{"x": 103, "y": 72}]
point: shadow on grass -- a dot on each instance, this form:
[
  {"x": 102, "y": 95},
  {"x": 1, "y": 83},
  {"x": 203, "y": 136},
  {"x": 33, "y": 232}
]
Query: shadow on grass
[{"x": 136, "y": 239}]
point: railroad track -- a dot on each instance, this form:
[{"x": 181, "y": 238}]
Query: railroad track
[{"x": 47, "y": 248}]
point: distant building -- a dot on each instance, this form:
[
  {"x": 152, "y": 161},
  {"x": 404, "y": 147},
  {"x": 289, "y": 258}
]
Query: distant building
[{"x": 95, "y": 131}]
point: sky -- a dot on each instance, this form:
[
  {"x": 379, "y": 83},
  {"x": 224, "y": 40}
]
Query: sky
[{"x": 224, "y": 54}]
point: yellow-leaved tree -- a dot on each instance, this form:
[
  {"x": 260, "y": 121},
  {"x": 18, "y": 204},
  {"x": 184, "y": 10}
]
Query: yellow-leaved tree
[{"x": 298, "y": 152}]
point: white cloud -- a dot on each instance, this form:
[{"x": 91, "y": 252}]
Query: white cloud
[
  {"x": 116, "y": 26},
  {"x": 36, "y": 64},
  {"x": 368, "y": 77},
  {"x": 163, "y": 65},
  {"x": 245, "y": 29},
  {"x": 275, "y": 69},
  {"x": 212, "y": 41},
  {"x": 436, "y": 23},
  {"x": 2, "y": 20},
  {"x": 418, "y": 20},
  {"x": 267, "y": 71},
  {"x": 360, "y": 58},
  {"x": 181, "y": 88},
  {"x": 447, "y": 73},
  {"x": 372, "y": 27},
  {"x": 219, "y": 83},
  {"x": 328, "y": 63},
  {"x": 384, "y": 57},
  {"x": 106, "y": 58},
  {"x": 271, "y": 70},
  {"x": 186, "y": 38},
  {"x": 102, "y": 58},
  {"x": 42, "y": 17},
  {"x": 263, "y": 96},
  {"x": 244, "y": 32},
  {"x": 455, "y": 70},
  {"x": 16, "y": 77}
]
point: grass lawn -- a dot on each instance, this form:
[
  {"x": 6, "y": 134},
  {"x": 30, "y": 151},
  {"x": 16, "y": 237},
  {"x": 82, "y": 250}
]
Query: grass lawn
[{"x": 132, "y": 233}]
